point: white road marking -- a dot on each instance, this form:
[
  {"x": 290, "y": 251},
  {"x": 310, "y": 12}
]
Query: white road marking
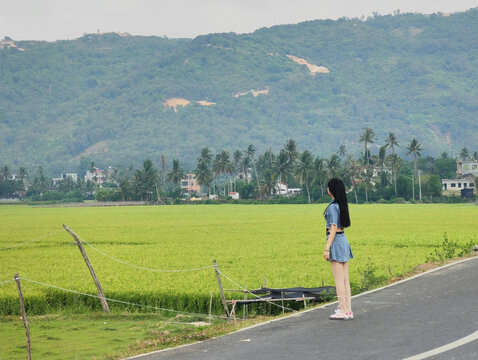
[{"x": 442, "y": 349}]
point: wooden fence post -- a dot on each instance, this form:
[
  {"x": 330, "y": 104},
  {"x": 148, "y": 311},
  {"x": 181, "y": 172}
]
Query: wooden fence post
[
  {"x": 282, "y": 296},
  {"x": 104, "y": 304},
  {"x": 24, "y": 317},
  {"x": 210, "y": 309},
  {"x": 244, "y": 307},
  {"x": 223, "y": 298}
]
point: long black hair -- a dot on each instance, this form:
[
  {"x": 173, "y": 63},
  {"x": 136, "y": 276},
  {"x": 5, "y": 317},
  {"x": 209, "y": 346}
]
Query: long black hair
[{"x": 337, "y": 188}]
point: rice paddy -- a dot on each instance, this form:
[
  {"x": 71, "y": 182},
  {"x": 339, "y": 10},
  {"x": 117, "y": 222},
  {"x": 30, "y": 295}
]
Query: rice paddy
[{"x": 280, "y": 243}]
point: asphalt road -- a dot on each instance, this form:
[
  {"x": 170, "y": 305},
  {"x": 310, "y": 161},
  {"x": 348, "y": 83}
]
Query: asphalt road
[{"x": 396, "y": 322}]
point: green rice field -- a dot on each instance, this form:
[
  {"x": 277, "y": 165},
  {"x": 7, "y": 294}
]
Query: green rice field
[{"x": 282, "y": 243}]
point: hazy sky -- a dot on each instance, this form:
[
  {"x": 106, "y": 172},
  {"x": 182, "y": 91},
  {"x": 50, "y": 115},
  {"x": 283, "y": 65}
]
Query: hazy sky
[{"x": 68, "y": 19}]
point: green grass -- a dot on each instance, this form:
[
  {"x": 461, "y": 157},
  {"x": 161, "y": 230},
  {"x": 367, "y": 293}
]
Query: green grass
[
  {"x": 282, "y": 243},
  {"x": 100, "y": 336}
]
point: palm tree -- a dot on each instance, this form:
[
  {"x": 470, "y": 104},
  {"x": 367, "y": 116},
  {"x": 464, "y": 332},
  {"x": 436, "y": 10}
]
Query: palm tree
[
  {"x": 354, "y": 171},
  {"x": 391, "y": 142},
  {"x": 382, "y": 154},
  {"x": 5, "y": 173},
  {"x": 237, "y": 156},
  {"x": 414, "y": 148},
  {"x": 342, "y": 152},
  {"x": 290, "y": 149},
  {"x": 222, "y": 165},
  {"x": 281, "y": 165},
  {"x": 320, "y": 173},
  {"x": 464, "y": 153},
  {"x": 367, "y": 176},
  {"x": 206, "y": 156},
  {"x": 333, "y": 165},
  {"x": 367, "y": 137},
  {"x": 394, "y": 162},
  {"x": 382, "y": 157},
  {"x": 305, "y": 171},
  {"x": 270, "y": 180},
  {"x": 204, "y": 175},
  {"x": 22, "y": 174},
  {"x": 250, "y": 152},
  {"x": 67, "y": 185},
  {"x": 176, "y": 173},
  {"x": 124, "y": 188},
  {"x": 245, "y": 165}
]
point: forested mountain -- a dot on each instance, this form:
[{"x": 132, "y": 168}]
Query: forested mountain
[{"x": 119, "y": 99}]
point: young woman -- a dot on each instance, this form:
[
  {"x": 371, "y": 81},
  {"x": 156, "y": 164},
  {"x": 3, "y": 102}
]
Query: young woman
[{"x": 337, "y": 250}]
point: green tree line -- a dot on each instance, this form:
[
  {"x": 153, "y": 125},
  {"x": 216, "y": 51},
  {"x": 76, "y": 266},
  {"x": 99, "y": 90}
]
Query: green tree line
[{"x": 380, "y": 176}]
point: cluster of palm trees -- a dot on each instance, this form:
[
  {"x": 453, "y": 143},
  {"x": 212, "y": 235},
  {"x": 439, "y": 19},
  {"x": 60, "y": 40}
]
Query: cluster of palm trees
[
  {"x": 269, "y": 170},
  {"x": 392, "y": 161},
  {"x": 209, "y": 168},
  {"x": 8, "y": 185}
]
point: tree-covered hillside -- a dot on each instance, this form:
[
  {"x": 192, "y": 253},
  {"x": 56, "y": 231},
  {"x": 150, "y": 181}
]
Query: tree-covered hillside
[{"x": 103, "y": 97}]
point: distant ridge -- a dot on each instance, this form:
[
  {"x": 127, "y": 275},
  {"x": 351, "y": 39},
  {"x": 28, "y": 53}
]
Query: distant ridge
[{"x": 120, "y": 99}]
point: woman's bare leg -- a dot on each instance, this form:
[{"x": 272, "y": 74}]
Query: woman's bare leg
[
  {"x": 338, "y": 272},
  {"x": 348, "y": 293}
]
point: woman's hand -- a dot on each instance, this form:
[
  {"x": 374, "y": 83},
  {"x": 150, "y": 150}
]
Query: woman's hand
[{"x": 326, "y": 255}]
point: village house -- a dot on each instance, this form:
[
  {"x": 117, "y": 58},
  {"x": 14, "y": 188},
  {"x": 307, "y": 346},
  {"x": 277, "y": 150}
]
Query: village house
[
  {"x": 282, "y": 189},
  {"x": 189, "y": 184},
  {"x": 234, "y": 195},
  {"x": 64, "y": 176},
  {"x": 98, "y": 176},
  {"x": 466, "y": 167},
  {"x": 456, "y": 185},
  {"x": 463, "y": 185}
]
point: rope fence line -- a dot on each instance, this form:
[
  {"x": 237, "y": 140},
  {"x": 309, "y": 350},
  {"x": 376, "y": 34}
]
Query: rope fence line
[
  {"x": 257, "y": 296},
  {"x": 6, "y": 282},
  {"x": 142, "y": 267},
  {"x": 30, "y": 241},
  {"x": 120, "y": 301}
]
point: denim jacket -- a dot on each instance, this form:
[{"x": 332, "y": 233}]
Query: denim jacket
[{"x": 332, "y": 215}]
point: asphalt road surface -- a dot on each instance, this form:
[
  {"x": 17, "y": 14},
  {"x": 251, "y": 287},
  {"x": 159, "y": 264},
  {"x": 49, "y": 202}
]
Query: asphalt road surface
[{"x": 437, "y": 311}]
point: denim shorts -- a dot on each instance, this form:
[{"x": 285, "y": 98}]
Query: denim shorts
[{"x": 340, "y": 250}]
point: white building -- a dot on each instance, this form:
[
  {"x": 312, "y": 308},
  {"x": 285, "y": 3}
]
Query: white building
[
  {"x": 98, "y": 176},
  {"x": 65, "y": 176},
  {"x": 234, "y": 195},
  {"x": 283, "y": 189},
  {"x": 456, "y": 185},
  {"x": 465, "y": 167}
]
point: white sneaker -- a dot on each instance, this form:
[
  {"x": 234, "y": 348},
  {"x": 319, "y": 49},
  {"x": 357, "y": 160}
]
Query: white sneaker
[{"x": 339, "y": 315}]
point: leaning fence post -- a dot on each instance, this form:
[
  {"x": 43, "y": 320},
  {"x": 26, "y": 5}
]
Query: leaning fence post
[
  {"x": 282, "y": 297},
  {"x": 223, "y": 298},
  {"x": 101, "y": 295},
  {"x": 24, "y": 317}
]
